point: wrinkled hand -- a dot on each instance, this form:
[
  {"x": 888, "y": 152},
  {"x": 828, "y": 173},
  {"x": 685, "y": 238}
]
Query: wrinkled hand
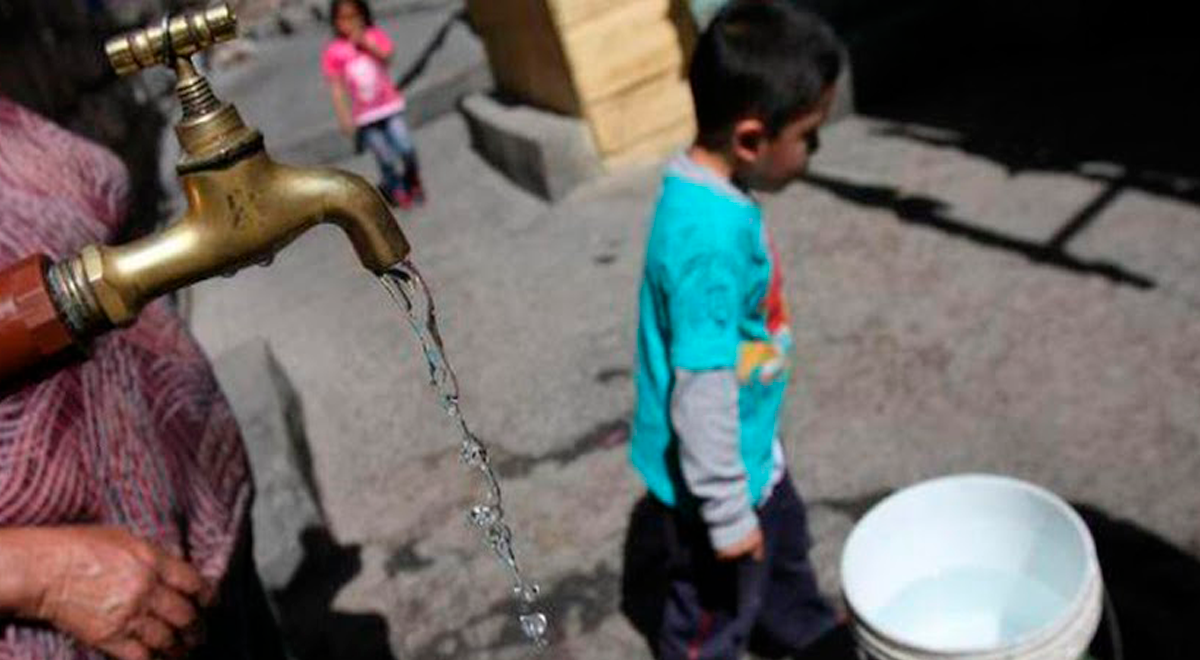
[
  {"x": 120, "y": 595},
  {"x": 751, "y": 545}
]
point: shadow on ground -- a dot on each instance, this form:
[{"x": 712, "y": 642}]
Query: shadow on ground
[
  {"x": 585, "y": 597},
  {"x": 1101, "y": 90},
  {"x": 1154, "y": 592},
  {"x": 311, "y": 628},
  {"x": 933, "y": 213}
]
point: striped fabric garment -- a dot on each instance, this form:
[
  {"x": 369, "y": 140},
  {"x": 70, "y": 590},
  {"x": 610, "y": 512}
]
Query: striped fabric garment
[{"x": 139, "y": 435}]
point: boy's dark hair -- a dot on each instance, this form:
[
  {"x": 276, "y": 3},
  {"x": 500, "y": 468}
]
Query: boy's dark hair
[
  {"x": 363, "y": 8},
  {"x": 766, "y": 59}
]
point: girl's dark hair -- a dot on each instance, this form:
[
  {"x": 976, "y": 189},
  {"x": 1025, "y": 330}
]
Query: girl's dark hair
[
  {"x": 363, "y": 8},
  {"x": 766, "y": 59}
]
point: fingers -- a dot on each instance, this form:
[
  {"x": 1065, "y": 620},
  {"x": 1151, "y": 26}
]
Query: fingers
[
  {"x": 751, "y": 546},
  {"x": 172, "y": 607},
  {"x": 160, "y": 640},
  {"x": 127, "y": 649},
  {"x": 758, "y": 550},
  {"x": 151, "y": 638},
  {"x": 179, "y": 575},
  {"x": 154, "y": 634},
  {"x": 173, "y": 571},
  {"x": 173, "y": 601}
]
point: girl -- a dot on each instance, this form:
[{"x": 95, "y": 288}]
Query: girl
[{"x": 365, "y": 99}]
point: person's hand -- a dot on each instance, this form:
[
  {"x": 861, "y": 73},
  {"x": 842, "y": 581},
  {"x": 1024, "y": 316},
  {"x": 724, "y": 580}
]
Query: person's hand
[
  {"x": 751, "y": 546},
  {"x": 119, "y": 594},
  {"x": 346, "y": 127},
  {"x": 361, "y": 42}
]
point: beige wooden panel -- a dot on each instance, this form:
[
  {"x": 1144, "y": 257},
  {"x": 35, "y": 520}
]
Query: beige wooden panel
[
  {"x": 621, "y": 48},
  {"x": 612, "y": 27},
  {"x": 524, "y": 52},
  {"x": 568, "y": 13},
  {"x": 654, "y": 147},
  {"x": 620, "y": 120}
]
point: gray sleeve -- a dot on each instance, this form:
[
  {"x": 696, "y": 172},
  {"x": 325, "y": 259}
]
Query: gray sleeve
[{"x": 704, "y": 412}]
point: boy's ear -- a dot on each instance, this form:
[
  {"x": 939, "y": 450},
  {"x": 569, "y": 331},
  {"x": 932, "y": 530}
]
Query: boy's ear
[{"x": 749, "y": 138}]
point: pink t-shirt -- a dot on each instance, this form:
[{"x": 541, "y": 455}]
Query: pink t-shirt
[{"x": 373, "y": 96}]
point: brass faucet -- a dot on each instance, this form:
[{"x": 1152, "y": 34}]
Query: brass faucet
[{"x": 242, "y": 206}]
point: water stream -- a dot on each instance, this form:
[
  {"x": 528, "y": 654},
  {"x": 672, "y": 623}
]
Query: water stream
[{"x": 406, "y": 286}]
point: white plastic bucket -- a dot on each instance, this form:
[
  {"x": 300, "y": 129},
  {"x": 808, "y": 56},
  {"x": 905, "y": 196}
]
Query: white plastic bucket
[{"x": 972, "y": 567}]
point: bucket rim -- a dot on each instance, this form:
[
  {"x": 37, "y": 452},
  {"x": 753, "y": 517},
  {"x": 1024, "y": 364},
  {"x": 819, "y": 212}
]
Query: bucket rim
[{"x": 1031, "y": 638}]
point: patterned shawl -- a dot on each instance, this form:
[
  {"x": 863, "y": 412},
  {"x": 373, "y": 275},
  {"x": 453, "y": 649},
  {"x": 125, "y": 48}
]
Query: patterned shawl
[{"x": 139, "y": 435}]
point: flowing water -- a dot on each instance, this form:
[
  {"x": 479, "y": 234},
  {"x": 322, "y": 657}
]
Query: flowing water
[{"x": 408, "y": 289}]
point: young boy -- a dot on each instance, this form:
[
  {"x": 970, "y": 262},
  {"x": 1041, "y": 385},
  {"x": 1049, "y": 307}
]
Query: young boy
[{"x": 724, "y": 534}]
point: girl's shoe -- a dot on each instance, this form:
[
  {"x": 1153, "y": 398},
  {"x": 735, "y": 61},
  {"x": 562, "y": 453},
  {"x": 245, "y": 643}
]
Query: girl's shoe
[
  {"x": 401, "y": 198},
  {"x": 417, "y": 194}
]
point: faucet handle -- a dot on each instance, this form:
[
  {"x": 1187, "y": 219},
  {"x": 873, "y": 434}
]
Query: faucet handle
[{"x": 176, "y": 36}]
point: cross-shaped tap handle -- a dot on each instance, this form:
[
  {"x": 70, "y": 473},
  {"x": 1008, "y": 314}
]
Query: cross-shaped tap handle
[{"x": 174, "y": 37}]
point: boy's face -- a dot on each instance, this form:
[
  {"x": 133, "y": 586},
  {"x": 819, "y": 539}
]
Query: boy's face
[{"x": 771, "y": 163}]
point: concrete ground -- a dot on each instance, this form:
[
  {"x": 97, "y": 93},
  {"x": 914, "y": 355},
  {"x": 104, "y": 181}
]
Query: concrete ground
[
  {"x": 936, "y": 333},
  {"x": 919, "y": 354}
]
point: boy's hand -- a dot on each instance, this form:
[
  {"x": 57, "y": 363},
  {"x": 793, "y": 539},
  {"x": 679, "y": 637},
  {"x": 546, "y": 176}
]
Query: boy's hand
[{"x": 751, "y": 545}]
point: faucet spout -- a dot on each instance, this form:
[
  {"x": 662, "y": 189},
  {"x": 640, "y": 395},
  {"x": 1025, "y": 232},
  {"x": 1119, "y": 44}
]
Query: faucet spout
[
  {"x": 356, "y": 206},
  {"x": 238, "y": 215}
]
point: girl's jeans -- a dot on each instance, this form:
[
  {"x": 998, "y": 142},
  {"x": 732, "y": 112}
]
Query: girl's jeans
[{"x": 389, "y": 140}]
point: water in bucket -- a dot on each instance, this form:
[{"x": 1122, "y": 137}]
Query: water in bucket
[
  {"x": 969, "y": 607},
  {"x": 972, "y": 566}
]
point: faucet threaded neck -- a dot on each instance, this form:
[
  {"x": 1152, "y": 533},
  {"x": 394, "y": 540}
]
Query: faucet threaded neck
[{"x": 196, "y": 97}]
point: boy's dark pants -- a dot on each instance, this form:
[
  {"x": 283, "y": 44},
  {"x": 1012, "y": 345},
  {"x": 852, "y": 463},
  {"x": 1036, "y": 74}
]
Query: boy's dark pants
[{"x": 690, "y": 606}]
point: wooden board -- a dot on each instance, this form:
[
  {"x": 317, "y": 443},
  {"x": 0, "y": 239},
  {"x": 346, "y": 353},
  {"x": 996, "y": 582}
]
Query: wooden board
[
  {"x": 621, "y": 48},
  {"x": 526, "y": 58},
  {"x": 620, "y": 121},
  {"x": 617, "y": 63},
  {"x": 568, "y": 13}
]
